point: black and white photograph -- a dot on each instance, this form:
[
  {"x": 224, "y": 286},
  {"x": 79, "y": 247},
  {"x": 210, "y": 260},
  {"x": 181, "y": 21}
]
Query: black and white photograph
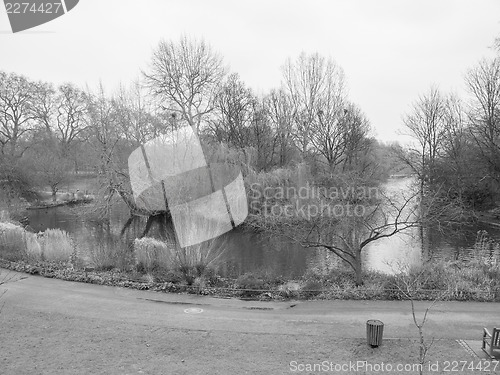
[{"x": 216, "y": 187}]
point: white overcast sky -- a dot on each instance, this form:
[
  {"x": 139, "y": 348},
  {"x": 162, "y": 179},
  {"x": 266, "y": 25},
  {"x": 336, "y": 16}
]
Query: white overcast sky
[{"x": 391, "y": 50}]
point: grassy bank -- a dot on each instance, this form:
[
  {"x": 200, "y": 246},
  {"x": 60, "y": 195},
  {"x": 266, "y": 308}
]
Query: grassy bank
[{"x": 161, "y": 266}]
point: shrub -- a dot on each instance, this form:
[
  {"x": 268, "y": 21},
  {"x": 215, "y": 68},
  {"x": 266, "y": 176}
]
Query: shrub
[
  {"x": 311, "y": 288},
  {"x": 341, "y": 276},
  {"x": 289, "y": 290},
  {"x": 171, "y": 276},
  {"x": 251, "y": 283}
]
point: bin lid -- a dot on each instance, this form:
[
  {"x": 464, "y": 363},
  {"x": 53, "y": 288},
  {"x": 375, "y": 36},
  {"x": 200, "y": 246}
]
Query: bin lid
[{"x": 375, "y": 322}]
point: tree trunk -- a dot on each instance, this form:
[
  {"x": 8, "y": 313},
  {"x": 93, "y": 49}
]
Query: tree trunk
[
  {"x": 164, "y": 223},
  {"x": 359, "y": 271},
  {"x": 54, "y": 193}
]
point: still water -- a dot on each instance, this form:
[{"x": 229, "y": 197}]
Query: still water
[{"x": 252, "y": 252}]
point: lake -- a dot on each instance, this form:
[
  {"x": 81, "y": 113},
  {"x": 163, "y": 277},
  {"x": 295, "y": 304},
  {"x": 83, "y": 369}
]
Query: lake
[{"x": 248, "y": 251}]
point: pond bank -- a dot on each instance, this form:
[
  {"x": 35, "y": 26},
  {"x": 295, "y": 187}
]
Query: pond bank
[{"x": 71, "y": 202}]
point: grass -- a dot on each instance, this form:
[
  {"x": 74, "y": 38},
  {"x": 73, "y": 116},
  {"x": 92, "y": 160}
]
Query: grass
[
  {"x": 196, "y": 261},
  {"x": 56, "y": 245},
  {"x": 53, "y": 245},
  {"x": 163, "y": 260},
  {"x": 102, "y": 344},
  {"x": 152, "y": 255},
  {"x": 104, "y": 256},
  {"x": 12, "y": 242}
]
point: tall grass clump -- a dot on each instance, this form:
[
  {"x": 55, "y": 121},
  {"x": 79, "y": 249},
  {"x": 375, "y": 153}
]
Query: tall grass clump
[
  {"x": 56, "y": 245},
  {"x": 12, "y": 242},
  {"x": 34, "y": 251},
  {"x": 203, "y": 254},
  {"x": 4, "y": 216},
  {"x": 152, "y": 255},
  {"x": 196, "y": 261},
  {"x": 18, "y": 244},
  {"x": 106, "y": 254},
  {"x": 191, "y": 262}
]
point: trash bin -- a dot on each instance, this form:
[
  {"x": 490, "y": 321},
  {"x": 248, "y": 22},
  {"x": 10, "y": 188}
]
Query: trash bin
[{"x": 374, "y": 332}]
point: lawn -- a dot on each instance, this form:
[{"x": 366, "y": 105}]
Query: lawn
[{"x": 50, "y": 343}]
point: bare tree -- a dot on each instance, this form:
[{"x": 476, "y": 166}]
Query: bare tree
[
  {"x": 185, "y": 76},
  {"x": 458, "y": 154},
  {"x": 409, "y": 285},
  {"x": 17, "y": 117},
  {"x": 50, "y": 167},
  {"x": 136, "y": 117},
  {"x": 71, "y": 120},
  {"x": 317, "y": 92},
  {"x": 43, "y": 107},
  {"x": 340, "y": 138},
  {"x": 114, "y": 138},
  {"x": 234, "y": 113},
  {"x": 263, "y": 139},
  {"x": 483, "y": 82},
  {"x": 279, "y": 111},
  {"x": 455, "y": 140},
  {"x": 426, "y": 124},
  {"x": 357, "y": 128},
  {"x": 106, "y": 139}
]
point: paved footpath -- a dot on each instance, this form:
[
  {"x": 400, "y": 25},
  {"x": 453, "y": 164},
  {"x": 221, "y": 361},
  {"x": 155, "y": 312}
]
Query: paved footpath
[{"x": 341, "y": 319}]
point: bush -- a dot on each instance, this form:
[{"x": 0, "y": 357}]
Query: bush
[
  {"x": 251, "y": 284},
  {"x": 289, "y": 290},
  {"x": 342, "y": 277},
  {"x": 312, "y": 288},
  {"x": 171, "y": 276}
]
